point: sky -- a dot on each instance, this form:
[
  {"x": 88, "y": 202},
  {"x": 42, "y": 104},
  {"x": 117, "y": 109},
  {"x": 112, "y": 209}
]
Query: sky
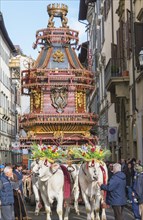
[{"x": 23, "y": 18}]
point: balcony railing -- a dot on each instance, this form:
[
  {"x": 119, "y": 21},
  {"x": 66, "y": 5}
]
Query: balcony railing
[{"x": 114, "y": 68}]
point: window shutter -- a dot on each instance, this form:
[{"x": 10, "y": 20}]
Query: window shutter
[{"x": 138, "y": 41}]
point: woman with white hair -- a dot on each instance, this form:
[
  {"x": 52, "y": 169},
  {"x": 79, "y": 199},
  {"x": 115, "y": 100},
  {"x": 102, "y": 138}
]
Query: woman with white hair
[
  {"x": 6, "y": 195},
  {"x": 116, "y": 193}
]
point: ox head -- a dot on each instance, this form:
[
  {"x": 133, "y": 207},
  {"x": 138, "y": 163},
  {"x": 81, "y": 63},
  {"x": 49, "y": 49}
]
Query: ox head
[
  {"x": 73, "y": 169},
  {"x": 40, "y": 167},
  {"x": 92, "y": 170},
  {"x": 44, "y": 169},
  {"x": 35, "y": 167}
]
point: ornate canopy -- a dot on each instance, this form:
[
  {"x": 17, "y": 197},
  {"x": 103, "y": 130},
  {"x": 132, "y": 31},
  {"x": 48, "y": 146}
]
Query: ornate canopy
[{"x": 58, "y": 86}]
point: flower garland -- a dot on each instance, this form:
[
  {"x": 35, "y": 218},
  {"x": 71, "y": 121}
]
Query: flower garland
[
  {"x": 85, "y": 152},
  {"x": 46, "y": 152},
  {"x": 89, "y": 153}
]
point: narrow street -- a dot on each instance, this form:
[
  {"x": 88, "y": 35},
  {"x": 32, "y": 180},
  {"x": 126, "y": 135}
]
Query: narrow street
[
  {"x": 71, "y": 110},
  {"x": 128, "y": 215}
]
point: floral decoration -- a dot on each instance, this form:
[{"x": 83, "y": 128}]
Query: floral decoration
[
  {"x": 88, "y": 153},
  {"x": 46, "y": 151},
  {"x": 85, "y": 152}
]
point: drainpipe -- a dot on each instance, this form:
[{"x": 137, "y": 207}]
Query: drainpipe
[
  {"x": 134, "y": 108},
  {"x": 112, "y": 21}
]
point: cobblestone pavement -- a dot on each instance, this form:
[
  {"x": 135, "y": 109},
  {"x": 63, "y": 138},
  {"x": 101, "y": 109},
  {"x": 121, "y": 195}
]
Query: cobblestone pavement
[{"x": 73, "y": 216}]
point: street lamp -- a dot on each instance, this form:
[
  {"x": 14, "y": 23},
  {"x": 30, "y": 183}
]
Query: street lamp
[{"x": 141, "y": 58}]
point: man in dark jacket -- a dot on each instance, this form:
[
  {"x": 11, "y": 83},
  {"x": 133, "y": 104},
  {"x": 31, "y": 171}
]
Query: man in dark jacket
[
  {"x": 116, "y": 191},
  {"x": 129, "y": 172},
  {"x": 135, "y": 204},
  {"x": 18, "y": 171},
  {"x": 6, "y": 195},
  {"x": 139, "y": 188}
]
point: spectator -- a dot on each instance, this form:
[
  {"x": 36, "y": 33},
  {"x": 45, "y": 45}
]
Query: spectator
[
  {"x": 18, "y": 172},
  {"x": 123, "y": 165},
  {"x": 139, "y": 188},
  {"x": 1, "y": 169},
  {"x": 19, "y": 206},
  {"x": 116, "y": 195},
  {"x": 129, "y": 172},
  {"x": 133, "y": 161},
  {"x": 135, "y": 204},
  {"x": 110, "y": 171},
  {"x": 6, "y": 195},
  {"x": 139, "y": 162}
]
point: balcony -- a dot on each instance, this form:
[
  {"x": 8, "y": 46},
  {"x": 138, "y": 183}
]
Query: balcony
[{"x": 116, "y": 79}]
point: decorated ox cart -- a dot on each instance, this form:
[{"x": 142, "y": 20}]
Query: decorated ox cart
[
  {"x": 51, "y": 164},
  {"x": 59, "y": 88}
]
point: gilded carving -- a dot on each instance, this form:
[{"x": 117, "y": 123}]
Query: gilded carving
[
  {"x": 58, "y": 56},
  {"x": 59, "y": 96},
  {"x": 51, "y": 22},
  {"x": 80, "y": 99},
  {"x": 36, "y": 95},
  {"x": 86, "y": 134},
  {"x": 30, "y": 134},
  {"x": 58, "y": 134},
  {"x": 57, "y": 10},
  {"x": 64, "y": 21}
]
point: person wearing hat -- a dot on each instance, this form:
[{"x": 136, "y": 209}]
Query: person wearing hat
[
  {"x": 1, "y": 169},
  {"x": 138, "y": 188},
  {"x": 2, "y": 166}
]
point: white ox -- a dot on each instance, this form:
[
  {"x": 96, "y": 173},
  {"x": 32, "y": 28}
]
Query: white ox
[
  {"x": 73, "y": 169},
  {"x": 51, "y": 186},
  {"x": 89, "y": 174},
  {"x": 35, "y": 186}
]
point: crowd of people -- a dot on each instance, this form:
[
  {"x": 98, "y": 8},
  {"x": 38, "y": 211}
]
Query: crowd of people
[
  {"x": 12, "y": 205},
  {"x": 125, "y": 185}
]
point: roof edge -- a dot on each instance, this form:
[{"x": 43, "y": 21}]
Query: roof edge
[{"x": 5, "y": 34}]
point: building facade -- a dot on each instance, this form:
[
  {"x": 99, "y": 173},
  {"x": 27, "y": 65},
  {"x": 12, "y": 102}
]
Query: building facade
[
  {"x": 21, "y": 103},
  {"x": 7, "y": 108},
  {"x": 115, "y": 32}
]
